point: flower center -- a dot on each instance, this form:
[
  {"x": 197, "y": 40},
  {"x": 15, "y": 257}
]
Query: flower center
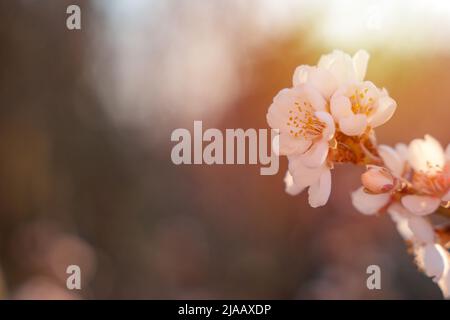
[
  {"x": 361, "y": 103},
  {"x": 303, "y": 123},
  {"x": 436, "y": 185}
]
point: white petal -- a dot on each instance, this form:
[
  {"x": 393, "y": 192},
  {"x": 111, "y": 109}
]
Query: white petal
[
  {"x": 312, "y": 95},
  {"x": 330, "y": 128},
  {"x": 426, "y": 155},
  {"x": 320, "y": 191},
  {"x": 354, "y": 125},
  {"x": 370, "y": 93},
  {"x": 385, "y": 110},
  {"x": 290, "y": 187},
  {"x": 391, "y": 159},
  {"x": 422, "y": 229},
  {"x": 316, "y": 155},
  {"x": 447, "y": 153},
  {"x": 421, "y": 205},
  {"x": 340, "y": 106},
  {"x": 278, "y": 111},
  {"x": 402, "y": 151},
  {"x": 288, "y": 145},
  {"x": 340, "y": 65},
  {"x": 369, "y": 203},
  {"x": 301, "y": 74},
  {"x": 326, "y": 60},
  {"x": 302, "y": 175},
  {"x": 282, "y": 94},
  {"x": 401, "y": 217},
  {"x": 360, "y": 60},
  {"x": 435, "y": 261},
  {"x": 323, "y": 81}
]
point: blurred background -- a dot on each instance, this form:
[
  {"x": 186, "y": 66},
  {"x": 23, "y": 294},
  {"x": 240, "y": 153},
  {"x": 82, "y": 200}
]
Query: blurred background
[{"x": 85, "y": 171}]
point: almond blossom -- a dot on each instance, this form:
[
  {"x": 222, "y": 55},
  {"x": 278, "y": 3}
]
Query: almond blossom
[
  {"x": 431, "y": 175},
  {"x": 327, "y": 118},
  {"x": 305, "y": 127},
  {"x": 430, "y": 256},
  {"x": 361, "y": 106},
  {"x": 307, "y": 130},
  {"x": 385, "y": 188}
]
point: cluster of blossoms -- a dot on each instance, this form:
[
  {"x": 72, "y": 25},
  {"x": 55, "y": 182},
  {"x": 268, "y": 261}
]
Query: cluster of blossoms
[{"x": 327, "y": 117}]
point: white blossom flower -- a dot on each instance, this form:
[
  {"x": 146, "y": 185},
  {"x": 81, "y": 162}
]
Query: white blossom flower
[
  {"x": 317, "y": 180},
  {"x": 333, "y": 71},
  {"x": 431, "y": 176},
  {"x": 430, "y": 256},
  {"x": 358, "y": 106},
  {"x": 304, "y": 125},
  {"x": 327, "y": 117}
]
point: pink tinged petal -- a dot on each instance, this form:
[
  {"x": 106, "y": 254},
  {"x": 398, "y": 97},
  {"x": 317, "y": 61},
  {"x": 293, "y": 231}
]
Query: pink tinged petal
[
  {"x": 391, "y": 159},
  {"x": 301, "y": 74},
  {"x": 319, "y": 192},
  {"x": 340, "y": 107},
  {"x": 303, "y": 176},
  {"x": 369, "y": 203},
  {"x": 290, "y": 187},
  {"x": 435, "y": 261},
  {"x": 422, "y": 230},
  {"x": 316, "y": 155},
  {"x": 288, "y": 145},
  {"x": 354, "y": 125},
  {"x": 330, "y": 128},
  {"x": 323, "y": 81},
  {"x": 447, "y": 153},
  {"x": 360, "y": 60},
  {"x": 377, "y": 179},
  {"x": 385, "y": 110},
  {"x": 421, "y": 205}
]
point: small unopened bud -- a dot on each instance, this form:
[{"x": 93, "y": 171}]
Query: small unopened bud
[{"x": 378, "y": 179}]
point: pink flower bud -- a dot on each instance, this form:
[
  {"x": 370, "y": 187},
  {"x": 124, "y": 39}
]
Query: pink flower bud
[{"x": 377, "y": 179}]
